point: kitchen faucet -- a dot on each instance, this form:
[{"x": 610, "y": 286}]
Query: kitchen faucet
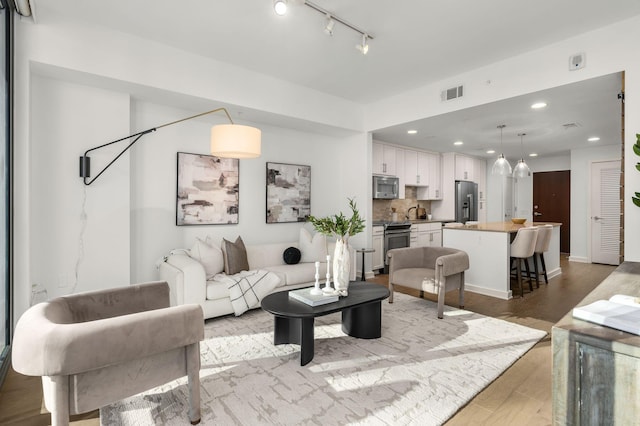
[{"x": 410, "y": 208}]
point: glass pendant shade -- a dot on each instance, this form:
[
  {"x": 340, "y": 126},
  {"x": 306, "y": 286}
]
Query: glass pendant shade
[
  {"x": 521, "y": 170},
  {"x": 501, "y": 166}
]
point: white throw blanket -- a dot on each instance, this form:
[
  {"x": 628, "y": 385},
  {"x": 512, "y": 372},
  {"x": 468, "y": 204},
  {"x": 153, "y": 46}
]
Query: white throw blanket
[{"x": 247, "y": 288}]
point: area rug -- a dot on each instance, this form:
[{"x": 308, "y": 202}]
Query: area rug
[{"x": 421, "y": 371}]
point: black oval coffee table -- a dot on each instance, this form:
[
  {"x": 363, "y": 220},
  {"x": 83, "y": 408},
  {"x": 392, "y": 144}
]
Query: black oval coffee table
[{"x": 293, "y": 320}]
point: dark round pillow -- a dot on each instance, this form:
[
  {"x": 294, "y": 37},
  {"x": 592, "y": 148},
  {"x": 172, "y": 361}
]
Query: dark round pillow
[{"x": 291, "y": 256}]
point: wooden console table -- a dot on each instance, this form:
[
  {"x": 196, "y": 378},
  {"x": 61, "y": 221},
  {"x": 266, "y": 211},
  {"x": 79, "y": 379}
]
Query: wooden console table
[{"x": 596, "y": 369}]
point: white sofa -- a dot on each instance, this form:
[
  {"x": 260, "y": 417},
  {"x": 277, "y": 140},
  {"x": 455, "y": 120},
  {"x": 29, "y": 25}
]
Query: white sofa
[{"x": 188, "y": 283}]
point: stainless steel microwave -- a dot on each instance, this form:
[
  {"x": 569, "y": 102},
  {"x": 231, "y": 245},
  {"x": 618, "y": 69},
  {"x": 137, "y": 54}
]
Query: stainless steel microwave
[{"x": 385, "y": 187}]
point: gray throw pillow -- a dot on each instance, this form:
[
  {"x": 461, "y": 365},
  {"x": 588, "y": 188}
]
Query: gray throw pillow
[{"x": 235, "y": 256}]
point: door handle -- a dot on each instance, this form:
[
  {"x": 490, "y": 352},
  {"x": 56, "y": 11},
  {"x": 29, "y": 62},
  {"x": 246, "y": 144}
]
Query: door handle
[
  {"x": 596, "y": 218},
  {"x": 537, "y": 214}
]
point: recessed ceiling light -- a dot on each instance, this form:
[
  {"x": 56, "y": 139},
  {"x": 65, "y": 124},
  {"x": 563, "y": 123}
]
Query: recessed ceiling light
[
  {"x": 594, "y": 139},
  {"x": 538, "y": 105},
  {"x": 491, "y": 151},
  {"x": 533, "y": 154},
  {"x": 412, "y": 132},
  {"x": 280, "y": 7},
  {"x": 458, "y": 143}
]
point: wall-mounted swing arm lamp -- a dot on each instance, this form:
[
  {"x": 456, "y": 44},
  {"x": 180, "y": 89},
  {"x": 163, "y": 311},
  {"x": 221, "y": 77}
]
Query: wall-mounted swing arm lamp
[{"x": 227, "y": 140}]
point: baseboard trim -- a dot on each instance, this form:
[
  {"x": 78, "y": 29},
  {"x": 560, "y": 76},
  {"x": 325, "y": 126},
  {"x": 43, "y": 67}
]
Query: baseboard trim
[
  {"x": 579, "y": 259},
  {"x": 506, "y": 295}
]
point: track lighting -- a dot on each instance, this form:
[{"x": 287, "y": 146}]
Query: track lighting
[
  {"x": 328, "y": 28},
  {"x": 331, "y": 21},
  {"x": 280, "y": 7},
  {"x": 364, "y": 46}
]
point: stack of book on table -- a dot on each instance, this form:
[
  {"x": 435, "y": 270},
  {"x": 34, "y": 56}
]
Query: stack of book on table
[
  {"x": 304, "y": 295},
  {"x": 620, "y": 312}
]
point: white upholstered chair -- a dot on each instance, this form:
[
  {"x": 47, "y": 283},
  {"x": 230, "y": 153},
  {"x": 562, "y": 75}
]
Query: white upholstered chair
[
  {"x": 542, "y": 246},
  {"x": 95, "y": 348},
  {"x": 522, "y": 248}
]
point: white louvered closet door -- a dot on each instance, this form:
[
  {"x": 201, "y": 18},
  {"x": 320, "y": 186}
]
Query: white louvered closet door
[{"x": 605, "y": 212}]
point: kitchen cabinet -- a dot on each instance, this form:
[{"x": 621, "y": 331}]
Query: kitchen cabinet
[
  {"x": 400, "y": 159},
  {"x": 426, "y": 234},
  {"x": 422, "y": 170},
  {"x": 435, "y": 193},
  {"x": 377, "y": 257},
  {"x": 416, "y": 168},
  {"x": 464, "y": 167},
  {"x": 384, "y": 159}
]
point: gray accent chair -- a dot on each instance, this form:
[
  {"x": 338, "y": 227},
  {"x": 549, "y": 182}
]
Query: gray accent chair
[
  {"x": 432, "y": 269},
  {"x": 95, "y": 348}
]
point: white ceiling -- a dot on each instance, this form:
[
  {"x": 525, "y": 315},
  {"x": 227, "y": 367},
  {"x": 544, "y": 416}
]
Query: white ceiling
[{"x": 415, "y": 42}]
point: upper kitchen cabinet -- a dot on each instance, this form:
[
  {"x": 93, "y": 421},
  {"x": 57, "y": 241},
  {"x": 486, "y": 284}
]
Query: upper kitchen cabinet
[
  {"x": 464, "y": 167},
  {"x": 435, "y": 190},
  {"x": 384, "y": 159},
  {"x": 416, "y": 171},
  {"x": 422, "y": 170}
]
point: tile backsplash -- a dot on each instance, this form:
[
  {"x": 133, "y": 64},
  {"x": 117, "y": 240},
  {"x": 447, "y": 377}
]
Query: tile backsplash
[{"x": 382, "y": 208}]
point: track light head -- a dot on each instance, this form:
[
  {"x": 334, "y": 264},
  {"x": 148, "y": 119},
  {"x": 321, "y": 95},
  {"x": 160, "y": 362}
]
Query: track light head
[
  {"x": 328, "y": 28},
  {"x": 364, "y": 46},
  {"x": 280, "y": 7}
]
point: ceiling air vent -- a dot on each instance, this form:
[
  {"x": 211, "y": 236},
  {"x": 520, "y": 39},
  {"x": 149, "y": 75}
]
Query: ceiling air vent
[{"x": 453, "y": 93}]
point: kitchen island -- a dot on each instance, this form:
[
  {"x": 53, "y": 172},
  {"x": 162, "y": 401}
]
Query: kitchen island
[{"x": 489, "y": 248}]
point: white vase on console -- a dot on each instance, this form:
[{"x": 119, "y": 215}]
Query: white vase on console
[{"x": 341, "y": 265}]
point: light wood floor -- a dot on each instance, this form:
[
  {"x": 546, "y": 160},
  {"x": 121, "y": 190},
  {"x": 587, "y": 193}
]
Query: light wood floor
[{"x": 522, "y": 395}]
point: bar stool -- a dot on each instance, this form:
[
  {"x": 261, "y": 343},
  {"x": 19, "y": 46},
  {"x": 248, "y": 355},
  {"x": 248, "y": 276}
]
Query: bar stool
[
  {"x": 542, "y": 246},
  {"x": 522, "y": 248}
]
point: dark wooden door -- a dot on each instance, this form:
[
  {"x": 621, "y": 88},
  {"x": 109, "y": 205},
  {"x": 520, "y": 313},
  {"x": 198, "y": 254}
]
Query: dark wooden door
[{"x": 552, "y": 202}]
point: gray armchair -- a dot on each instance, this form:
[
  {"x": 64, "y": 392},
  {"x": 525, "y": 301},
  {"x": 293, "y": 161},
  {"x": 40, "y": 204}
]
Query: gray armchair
[
  {"x": 432, "y": 269},
  {"x": 95, "y": 348}
]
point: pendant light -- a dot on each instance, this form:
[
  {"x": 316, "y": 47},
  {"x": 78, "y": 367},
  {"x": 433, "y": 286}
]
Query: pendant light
[
  {"x": 501, "y": 166},
  {"x": 521, "y": 170}
]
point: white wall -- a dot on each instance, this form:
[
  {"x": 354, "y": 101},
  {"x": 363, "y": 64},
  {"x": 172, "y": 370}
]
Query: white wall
[
  {"x": 581, "y": 160},
  {"x": 609, "y": 49},
  {"x": 550, "y": 164},
  {"x": 69, "y": 253}
]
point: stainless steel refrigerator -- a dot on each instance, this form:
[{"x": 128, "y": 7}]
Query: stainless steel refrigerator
[{"x": 466, "y": 201}]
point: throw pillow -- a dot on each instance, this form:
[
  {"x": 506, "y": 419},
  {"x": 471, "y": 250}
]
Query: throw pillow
[
  {"x": 235, "y": 256},
  {"x": 210, "y": 256},
  {"x": 312, "y": 249},
  {"x": 291, "y": 256}
]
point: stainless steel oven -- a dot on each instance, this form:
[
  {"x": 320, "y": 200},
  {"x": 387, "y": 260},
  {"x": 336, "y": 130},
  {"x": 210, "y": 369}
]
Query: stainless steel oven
[{"x": 396, "y": 235}]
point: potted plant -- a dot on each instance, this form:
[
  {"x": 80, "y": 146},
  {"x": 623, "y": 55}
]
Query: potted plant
[{"x": 342, "y": 228}]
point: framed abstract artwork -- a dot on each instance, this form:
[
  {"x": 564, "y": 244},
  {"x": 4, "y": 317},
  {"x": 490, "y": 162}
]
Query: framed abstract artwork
[
  {"x": 208, "y": 190},
  {"x": 288, "y": 193}
]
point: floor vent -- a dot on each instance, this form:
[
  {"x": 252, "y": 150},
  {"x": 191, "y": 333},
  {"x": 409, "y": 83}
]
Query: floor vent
[{"x": 453, "y": 93}]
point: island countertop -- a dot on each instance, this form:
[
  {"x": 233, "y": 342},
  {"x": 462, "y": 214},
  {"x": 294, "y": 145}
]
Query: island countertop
[{"x": 508, "y": 227}]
